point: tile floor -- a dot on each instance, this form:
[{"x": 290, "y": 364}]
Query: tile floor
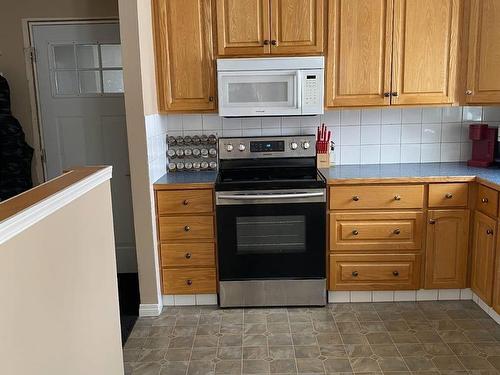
[{"x": 445, "y": 337}]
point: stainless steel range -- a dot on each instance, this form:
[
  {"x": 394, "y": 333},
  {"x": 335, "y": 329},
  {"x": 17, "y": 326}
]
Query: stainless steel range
[{"x": 271, "y": 219}]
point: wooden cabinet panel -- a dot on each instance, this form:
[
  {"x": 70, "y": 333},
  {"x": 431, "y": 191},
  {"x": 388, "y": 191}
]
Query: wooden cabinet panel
[
  {"x": 425, "y": 51},
  {"x": 446, "y": 249},
  {"x": 357, "y": 197},
  {"x": 297, "y": 26},
  {"x": 381, "y": 231},
  {"x": 374, "y": 272},
  {"x": 483, "y": 80},
  {"x": 243, "y": 27},
  {"x": 188, "y": 254},
  {"x": 487, "y": 200},
  {"x": 358, "y": 63},
  {"x": 189, "y": 281},
  {"x": 184, "y": 55},
  {"x": 180, "y": 228},
  {"x": 448, "y": 195},
  {"x": 483, "y": 256},
  {"x": 184, "y": 201},
  {"x": 496, "y": 276}
]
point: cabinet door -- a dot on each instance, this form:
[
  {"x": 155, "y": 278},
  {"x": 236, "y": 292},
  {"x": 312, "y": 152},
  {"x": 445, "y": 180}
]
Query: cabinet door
[
  {"x": 446, "y": 249},
  {"x": 184, "y": 55},
  {"x": 483, "y": 256},
  {"x": 358, "y": 63},
  {"x": 297, "y": 26},
  {"x": 243, "y": 27},
  {"x": 425, "y": 51},
  {"x": 496, "y": 286},
  {"x": 483, "y": 80}
]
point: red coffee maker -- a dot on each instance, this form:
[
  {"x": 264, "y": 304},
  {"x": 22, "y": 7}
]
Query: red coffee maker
[{"x": 483, "y": 140}]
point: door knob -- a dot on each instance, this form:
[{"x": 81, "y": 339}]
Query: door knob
[
  {"x": 188, "y": 255},
  {"x": 355, "y": 232},
  {"x": 355, "y": 273},
  {"x": 449, "y": 195},
  {"x": 187, "y": 228}
]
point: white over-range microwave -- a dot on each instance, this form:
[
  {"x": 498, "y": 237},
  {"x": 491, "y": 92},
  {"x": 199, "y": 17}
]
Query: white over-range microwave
[{"x": 279, "y": 86}]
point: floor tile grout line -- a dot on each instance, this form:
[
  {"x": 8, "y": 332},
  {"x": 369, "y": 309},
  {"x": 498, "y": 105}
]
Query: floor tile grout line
[{"x": 291, "y": 338}]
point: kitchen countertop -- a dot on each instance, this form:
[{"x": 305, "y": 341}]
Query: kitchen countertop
[{"x": 177, "y": 180}]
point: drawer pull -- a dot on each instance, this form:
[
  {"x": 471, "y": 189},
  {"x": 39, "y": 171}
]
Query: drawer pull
[
  {"x": 355, "y": 273},
  {"x": 395, "y": 273},
  {"x": 355, "y": 232},
  {"x": 432, "y": 221},
  {"x": 189, "y": 282},
  {"x": 489, "y": 232},
  {"x": 188, "y": 255},
  {"x": 185, "y": 202},
  {"x": 448, "y": 196},
  {"x": 397, "y": 231},
  {"x": 484, "y": 200},
  {"x": 187, "y": 228},
  {"x": 355, "y": 198},
  {"x": 397, "y": 197}
]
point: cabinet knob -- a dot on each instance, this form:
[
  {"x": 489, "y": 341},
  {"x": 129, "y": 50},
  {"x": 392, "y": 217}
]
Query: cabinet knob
[
  {"x": 489, "y": 232},
  {"x": 185, "y": 202},
  {"x": 189, "y": 282},
  {"x": 387, "y": 94},
  {"x": 355, "y": 232},
  {"x": 468, "y": 92},
  {"x": 355, "y": 273},
  {"x": 397, "y": 197},
  {"x": 395, "y": 94},
  {"x": 448, "y": 196},
  {"x": 187, "y": 228},
  {"x": 210, "y": 98},
  {"x": 274, "y": 42},
  {"x": 395, "y": 273},
  {"x": 397, "y": 231},
  {"x": 266, "y": 42},
  {"x": 484, "y": 200},
  {"x": 355, "y": 198},
  {"x": 188, "y": 255},
  {"x": 432, "y": 221}
]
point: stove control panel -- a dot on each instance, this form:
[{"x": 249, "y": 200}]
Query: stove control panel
[{"x": 267, "y": 147}]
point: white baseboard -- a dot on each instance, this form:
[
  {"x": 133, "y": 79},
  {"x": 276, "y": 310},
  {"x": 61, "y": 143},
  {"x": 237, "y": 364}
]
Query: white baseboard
[
  {"x": 335, "y": 296},
  {"x": 150, "y": 309},
  {"x": 190, "y": 300},
  {"x": 487, "y": 309}
]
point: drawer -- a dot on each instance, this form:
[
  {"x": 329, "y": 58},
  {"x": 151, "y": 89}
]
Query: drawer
[
  {"x": 180, "y": 228},
  {"x": 189, "y": 281},
  {"x": 377, "y": 196},
  {"x": 448, "y": 195},
  {"x": 374, "y": 272},
  {"x": 362, "y": 231},
  {"x": 487, "y": 200},
  {"x": 191, "y": 254},
  {"x": 184, "y": 201}
]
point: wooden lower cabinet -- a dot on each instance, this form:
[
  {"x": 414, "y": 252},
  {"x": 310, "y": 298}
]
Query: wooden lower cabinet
[
  {"x": 374, "y": 271},
  {"x": 446, "y": 249},
  {"x": 483, "y": 256},
  {"x": 189, "y": 281},
  {"x": 496, "y": 285}
]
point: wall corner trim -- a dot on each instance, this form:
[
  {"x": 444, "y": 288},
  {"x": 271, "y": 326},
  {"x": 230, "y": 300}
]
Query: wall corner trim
[{"x": 151, "y": 309}]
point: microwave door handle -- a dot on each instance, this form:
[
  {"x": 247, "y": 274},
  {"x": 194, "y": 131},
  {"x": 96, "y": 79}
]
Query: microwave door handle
[
  {"x": 270, "y": 196},
  {"x": 299, "y": 89}
]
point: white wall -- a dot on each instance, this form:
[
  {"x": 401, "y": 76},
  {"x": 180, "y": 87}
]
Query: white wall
[{"x": 362, "y": 136}]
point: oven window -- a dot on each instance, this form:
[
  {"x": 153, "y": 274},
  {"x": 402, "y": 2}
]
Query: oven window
[
  {"x": 258, "y": 92},
  {"x": 271, "y": 234}
]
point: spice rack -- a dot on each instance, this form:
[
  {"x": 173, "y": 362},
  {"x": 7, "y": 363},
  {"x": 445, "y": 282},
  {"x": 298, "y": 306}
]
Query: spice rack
[{"x": 192, "y": 153}]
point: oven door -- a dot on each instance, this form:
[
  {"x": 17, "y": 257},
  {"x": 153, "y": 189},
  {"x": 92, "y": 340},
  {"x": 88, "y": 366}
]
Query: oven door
[{"x": 271, "y": 235}]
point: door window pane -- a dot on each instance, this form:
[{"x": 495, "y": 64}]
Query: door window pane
[
  {"x": 64, "y": 56},
  {"x": 271, "y": 234},
  {"x": 112, "y": 81},
  {"x": 65, "y": 82},
  {"x": 258, "y": 92},
  {"x": 111, "y": 56},
  {"x": 87, "y": 56},
  {"x": 90, "y": 82}
]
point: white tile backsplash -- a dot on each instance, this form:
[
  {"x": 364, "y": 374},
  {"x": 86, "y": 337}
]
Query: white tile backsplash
[{"x": 362, "y": 136}]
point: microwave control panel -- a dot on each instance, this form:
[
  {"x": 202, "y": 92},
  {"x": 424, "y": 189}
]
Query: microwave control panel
[{"x": 312, "y": 91}]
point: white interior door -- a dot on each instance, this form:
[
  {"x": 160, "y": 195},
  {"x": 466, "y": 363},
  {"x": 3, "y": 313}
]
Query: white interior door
[{"x": 80, "y": 97}]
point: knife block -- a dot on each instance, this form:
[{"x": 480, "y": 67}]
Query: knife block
[{"x": 323, "y": 160}]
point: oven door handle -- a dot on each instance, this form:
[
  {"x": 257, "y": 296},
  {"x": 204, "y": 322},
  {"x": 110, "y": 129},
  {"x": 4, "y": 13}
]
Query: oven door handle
[{"x": 270, "y": 196}]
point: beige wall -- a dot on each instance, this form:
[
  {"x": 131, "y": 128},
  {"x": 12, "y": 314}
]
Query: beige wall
[
  {"x": 58, "y": 292},
  {"x": 12, "y": 62}
]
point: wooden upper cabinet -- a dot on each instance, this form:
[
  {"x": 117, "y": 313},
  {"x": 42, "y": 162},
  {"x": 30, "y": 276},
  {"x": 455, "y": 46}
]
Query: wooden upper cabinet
[
  {"x": 425, "y": 51},
  {"x": 483, "y": 78},
  {"x": 243, "y": 27},
  {"x": 359, "y": 52},
  {"x": 184, "y": 55},
  {"x": 297, "y": 26},
  {"x": 446, "y": 249}
]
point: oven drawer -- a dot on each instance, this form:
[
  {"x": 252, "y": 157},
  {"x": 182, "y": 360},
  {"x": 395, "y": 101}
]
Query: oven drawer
[
  {"x": 362, "y": 231},
  {"x": 179, "y": 228},
  {"x": 192, "y": 254},
  {"x": 374, "y": 272},
  {"x": 487, "y": 200},
  {"x": 189, "y": 281},
  {"x": 184, "y": 201},
  {"x": 376, "y": 196},
  {"x": 448, "y": 195}
]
